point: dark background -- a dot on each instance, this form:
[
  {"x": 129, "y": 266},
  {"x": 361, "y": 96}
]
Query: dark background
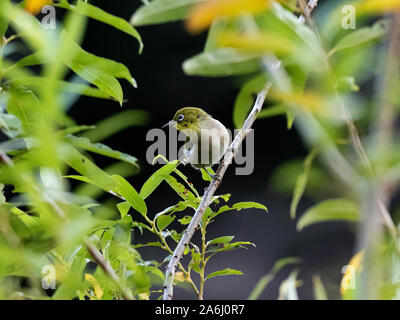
[{"x": 163, "y": 88}]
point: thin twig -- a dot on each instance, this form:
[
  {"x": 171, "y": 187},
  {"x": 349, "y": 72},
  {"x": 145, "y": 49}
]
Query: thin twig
[
  {"x": 208, "y": 194},
  {"x": 109, "y": 271},
  {"x": 307, "y": 10}
]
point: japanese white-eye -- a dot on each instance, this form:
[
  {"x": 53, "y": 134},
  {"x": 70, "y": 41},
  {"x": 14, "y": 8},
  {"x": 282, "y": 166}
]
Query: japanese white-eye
[{"x": 207, "y": 138}]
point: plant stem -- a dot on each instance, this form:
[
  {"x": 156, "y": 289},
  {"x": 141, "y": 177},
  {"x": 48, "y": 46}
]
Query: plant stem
[
  {"x": 108, "y": 270},
  {"x": 203, "y": 261}
]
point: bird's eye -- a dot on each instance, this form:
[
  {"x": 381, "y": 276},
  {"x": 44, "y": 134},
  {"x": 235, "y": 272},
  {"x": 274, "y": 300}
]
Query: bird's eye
[{"x": 181, "y": 117}]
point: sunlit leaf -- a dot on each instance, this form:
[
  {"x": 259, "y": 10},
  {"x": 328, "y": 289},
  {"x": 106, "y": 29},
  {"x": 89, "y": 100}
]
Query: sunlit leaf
[
  {"x": 86, "y": 168},
  {"x": 301, "y": 182},
  {"x": 130, "y": 194},
  {"x": 245, "y": 99},
  {"x": 87, "y": 9},
  {"x": 164, "y": 221},
  {"x": 123, "y": 208},
  {"x": 185, "y": 220},
  {"x": 220, "y": 240},
  {"x": 183, "y": 192},
  {"x": 222, "y": 62},
  {"x": 347, "y": 84},
  {"x": 362, "y": 35},
  {"x": 262, "y": 43},
  {"x": 213, "y": 38},
  {"x": 276, "y": 110},
  {"x": 100, "y": 71},
  {"x": 224, "y": 272},
  {"x": 86, "y": 144},
  {"x": 156, "y": 178},
  {"x": 10, "y": 125},
  {"x": 161, "y": 11},
  {"x": 4, "y": 12},
  {"x": 330, "y": 210}
]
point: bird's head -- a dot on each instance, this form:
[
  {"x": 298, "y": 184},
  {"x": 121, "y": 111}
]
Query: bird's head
[{"x": 188, "y": 118}]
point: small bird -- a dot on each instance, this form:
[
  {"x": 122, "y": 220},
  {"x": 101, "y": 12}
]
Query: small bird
[{"x": 207, "y": 138}]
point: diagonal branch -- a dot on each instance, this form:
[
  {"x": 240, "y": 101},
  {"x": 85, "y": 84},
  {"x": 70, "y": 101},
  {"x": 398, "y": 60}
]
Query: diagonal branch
[{"x": 205, "y": 202}]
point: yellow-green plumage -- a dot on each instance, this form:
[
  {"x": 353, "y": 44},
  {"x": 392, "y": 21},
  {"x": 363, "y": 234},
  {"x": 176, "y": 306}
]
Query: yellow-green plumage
[{"x": 207, "y": 137}]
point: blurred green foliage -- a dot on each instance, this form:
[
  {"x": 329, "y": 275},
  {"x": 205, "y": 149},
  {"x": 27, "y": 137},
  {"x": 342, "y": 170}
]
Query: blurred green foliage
[
  {"x": 321, "y": 79},
  {"x": 64, "y": 239}
]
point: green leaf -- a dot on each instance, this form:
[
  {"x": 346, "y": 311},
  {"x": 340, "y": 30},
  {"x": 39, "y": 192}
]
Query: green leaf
[
  {"x": 161, "y": 11},
  {"x": 10, "y": 125},
  {"x": 247, "y": 205},
  {"x": 130, "y": 194},
  {"x": 185, "y": 220},
  {"x": 301, "y": 31},
  {"x": 121, "y": 168},
  {"x": 230, "y": 246},
  {"x": 164, "y": 221},
  {"x": 100, "y": 71},
  {"x": 347, "y": 84},
  {"x": 90, "y": 172},
  {"x": 362, "y": 36},
  {"x": 206, "y": 176},
  {"x": 239, "y": 206},
  {"x": 224, "y": 272},
  {"x": 98, "y": 14},
  {"x": 110, "y": 67},
  {"x": 64, "y": 86},
  {"x": 123, "y": 208},
  {"x": 106, "y": 83},
  {"x": 30, "y": 60},
  {"x": 222, "y": 62},
  {"x": 4, "y": 17},
  {"x": 156, "y": 178},
  {"x": 184, "y": 193},
  {"x": 149, "y": 244},
  {"x": 301, "y": 182},
  {"x": 23, "y": 224},
  {"x": 216, "y": 29},
  {"x": 99, "y": 148},
  {"x": 330, "y": 210},
  {"x": 265, "y": 280},
  {"x": 245, "y": 99},
  {"x": 273, "y": 111},
  {"x": 220, "y": 240}
]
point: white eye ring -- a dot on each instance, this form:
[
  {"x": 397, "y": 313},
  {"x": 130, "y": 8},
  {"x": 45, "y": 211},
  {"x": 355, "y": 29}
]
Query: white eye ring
[{"x": 181, "y": 117}]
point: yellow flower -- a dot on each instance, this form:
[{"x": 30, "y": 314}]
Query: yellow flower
[
  {"x": 203, "y": 14},
  {"x": 35, "y": 6}
]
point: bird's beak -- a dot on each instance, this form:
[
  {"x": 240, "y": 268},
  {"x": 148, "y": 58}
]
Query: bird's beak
[{"x": 169, "y": 124}]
